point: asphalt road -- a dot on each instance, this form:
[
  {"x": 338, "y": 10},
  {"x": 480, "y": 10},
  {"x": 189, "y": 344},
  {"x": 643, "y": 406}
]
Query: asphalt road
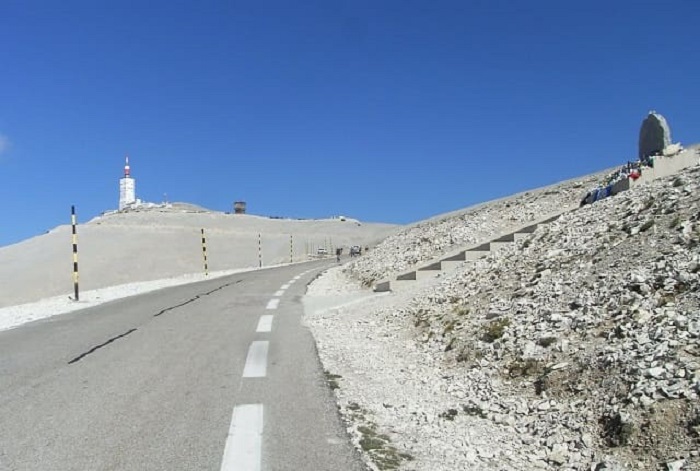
[{"x": 185, "y": 378}]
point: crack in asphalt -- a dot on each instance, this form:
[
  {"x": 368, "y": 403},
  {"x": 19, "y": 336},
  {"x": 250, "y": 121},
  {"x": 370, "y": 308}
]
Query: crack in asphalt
[
  {"x": 97, "y": 347},
  {"x": 191, "y": 300},
  {"x": 113, "y": 339}
]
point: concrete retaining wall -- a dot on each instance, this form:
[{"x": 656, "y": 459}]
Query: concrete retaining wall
[{"x": 663, "y": 167}]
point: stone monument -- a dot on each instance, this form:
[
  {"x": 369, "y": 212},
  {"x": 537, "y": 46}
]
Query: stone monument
[{"x": 654, "y": 136}]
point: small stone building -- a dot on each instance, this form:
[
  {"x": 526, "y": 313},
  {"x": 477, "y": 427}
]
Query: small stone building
[{"x": 239, "y": 207}]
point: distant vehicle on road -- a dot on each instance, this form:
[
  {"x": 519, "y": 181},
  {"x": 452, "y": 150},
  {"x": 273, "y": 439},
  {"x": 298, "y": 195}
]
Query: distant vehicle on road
[
  {"x": 355, "y": 251},
  {"x": 322, "y": 251}
]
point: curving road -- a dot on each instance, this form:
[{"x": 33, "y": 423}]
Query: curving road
[{"x": 216, "y": 375}]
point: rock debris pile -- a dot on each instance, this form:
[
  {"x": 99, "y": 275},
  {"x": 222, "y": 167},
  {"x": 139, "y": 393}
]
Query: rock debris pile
[
  {"x": 577, "y": 348},
  {"x": 431, "y": 238}
]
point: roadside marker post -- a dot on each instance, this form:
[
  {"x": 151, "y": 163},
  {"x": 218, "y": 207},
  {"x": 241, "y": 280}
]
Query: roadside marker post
[
  {"x": 204, "y": 254},
  {"x": 76, "y": 290}
]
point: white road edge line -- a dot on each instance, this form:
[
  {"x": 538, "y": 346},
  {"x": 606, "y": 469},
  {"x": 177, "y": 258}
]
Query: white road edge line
[
  {"x": 297, "y": 277},
  {"x": 273, "y": 303},
  {"x": 279, "y": 293},
  {"x": 244, "y": 441},
  {"x": 265, "y": 323},
  {"x": 256, "y": 362},
  {"x": 285, "y": 286}
]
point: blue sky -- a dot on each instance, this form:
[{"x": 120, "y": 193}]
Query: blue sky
[{"x": 388, "y": 111}]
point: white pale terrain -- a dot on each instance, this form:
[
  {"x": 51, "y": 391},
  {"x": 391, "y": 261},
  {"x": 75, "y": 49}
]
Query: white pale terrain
[
  {"x": 126, "y": 253},
  {"x": 574, "y": 346}
]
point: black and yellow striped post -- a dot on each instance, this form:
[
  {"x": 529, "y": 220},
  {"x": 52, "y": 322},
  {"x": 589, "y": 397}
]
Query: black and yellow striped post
[
  {"x": 76, "y": 290},
  {"x": 259, "y": 250},
  {"x": 291, "y": 248},
  {"x": 204, "y": 254}
]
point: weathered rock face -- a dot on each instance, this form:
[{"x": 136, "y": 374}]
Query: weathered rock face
[
  {"x": 577, "y": 348},
  {"x": 595, "y": 317},
  {"x": 654, "y": 136},
  {"x": 593, "y": 323},
  {"x": 428, "y": 239}
]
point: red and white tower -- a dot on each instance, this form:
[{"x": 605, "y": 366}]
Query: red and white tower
[{"x": 127, "y": 188}]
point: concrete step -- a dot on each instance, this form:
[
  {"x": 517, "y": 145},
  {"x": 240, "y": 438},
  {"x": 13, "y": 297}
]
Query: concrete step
[
  {"x": 398, "y": 285},
  {"x": 506, "y": 238},
  {"x": 424, "y": 275},
  {"x": 429, "y": 271},
  {"x": 449, "y": 263},
  {"x": 407, "y": 276},
  {"x": 481, "y": 248},
  {"x": 437, "y": 266},
  {"x": 460, "y": 257},
  {"x": 527, "y": 229},
  {"x": 382, "y": 287}
]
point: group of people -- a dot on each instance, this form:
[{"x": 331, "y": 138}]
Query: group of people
[
  {"x": 631, "y": 170},
  {"x": 355, "y": 251}
]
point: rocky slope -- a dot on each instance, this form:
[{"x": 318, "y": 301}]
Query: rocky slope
[
  {"x": 428, "y": 239},
  {"x": 576, "y": 348}
]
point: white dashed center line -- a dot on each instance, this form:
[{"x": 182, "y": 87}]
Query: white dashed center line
[
  {"x": 256, "y": 362},
  {"x": 243, "y": 451},
  {"x": 265, "y": 323},
  {"x": 243, "y": 444}
]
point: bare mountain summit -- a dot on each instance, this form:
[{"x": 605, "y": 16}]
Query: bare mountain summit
[
  {"x": 577, "y": 347},
  {"x": 145, "y": 244}
]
